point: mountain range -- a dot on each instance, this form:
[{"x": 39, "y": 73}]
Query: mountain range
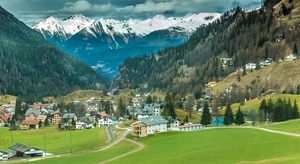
[{"x": 105, "y": 43}]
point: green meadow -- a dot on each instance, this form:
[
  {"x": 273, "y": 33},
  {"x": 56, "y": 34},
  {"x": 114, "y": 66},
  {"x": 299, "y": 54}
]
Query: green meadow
[
  {"x": 255, "y": 103},
  {"x": 92, "y": 156},
  {"x": 292, "y": 126},
  {"x": 223, "y": 145},
  {"x": 55, "y": 141}
]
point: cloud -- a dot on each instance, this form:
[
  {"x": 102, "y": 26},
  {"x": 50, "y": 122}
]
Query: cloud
[
  {"x": 78, "y": 6},
  {"x": 119, "y": 9}
]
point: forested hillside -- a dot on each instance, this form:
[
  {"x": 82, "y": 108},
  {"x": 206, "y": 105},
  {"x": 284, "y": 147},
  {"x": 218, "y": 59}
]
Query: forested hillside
[
  {"x": 32, "y": 66},
  {"x": 244, "y": 36}
]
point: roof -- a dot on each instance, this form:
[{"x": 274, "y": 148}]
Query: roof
[
  {"x": 69, "y": 115},
  {"x": 30, "y": 122},
  {"x": 20, "y": 147},
  {"x": 153, "y": 120},
  {"x": 188, "y": 125},
  {"x": 35, "y": 112}
]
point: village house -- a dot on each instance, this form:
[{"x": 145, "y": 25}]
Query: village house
[
  {"x": 149, "y": 125},
  {"x": 212, "y": 84},
  {"x": 137, "y": 101},
  {"x": 68, "y": 117},
  {"x": 250, "y": 66},
  {"x": 107, "y": 121},
  {"x": 148, "y": 110},
  {"x": 55, "y": 118},
  {"x": 226, "y": 61},
  {"x": 19, "y": 150},
  {"x": 5, "y": 117},
  {"x": 92, "y": 105},
  {"x": 187, "y": 127},
  {"x": 31, "y": 120},
  {"x": 290, "y": 57}
]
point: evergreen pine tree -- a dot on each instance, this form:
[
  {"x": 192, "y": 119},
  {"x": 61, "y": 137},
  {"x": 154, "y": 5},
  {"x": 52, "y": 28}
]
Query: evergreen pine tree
[
  {"x": 295, "y": 110},
  {"x": 263, "y": 110},
  {"x": 239, "y": 118},
  {"x": 228, "y": 117},
  {"x": 270, "y": 107},
  {"x": 295, "y": 51},
  {"x": 169, "y": 109},
  {"x": 46, "y": 122},
  {"x": 205, "y": 117}
]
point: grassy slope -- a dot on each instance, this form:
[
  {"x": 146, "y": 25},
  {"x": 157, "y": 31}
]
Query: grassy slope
[
  {"x": 79, "y": 95},
  {"x": 289, "y": 126},
  {"x": 5, "y": 99},
  {"x": 92, "y": 157},
  {"x": 284, "y": 74},
  {"x": 181, "y": 114},
  {"x": 56, "y": 141},
  {"x": 217, "y": 146},
  {"x": 255, "y": 103}
]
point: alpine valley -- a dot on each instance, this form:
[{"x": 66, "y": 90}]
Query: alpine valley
[{"x": 104, "y": 44}]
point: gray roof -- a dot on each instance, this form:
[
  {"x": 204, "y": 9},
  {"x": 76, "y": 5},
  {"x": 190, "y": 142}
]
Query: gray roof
[
  {"x": 69, "y": 115},
  {"x": 145, "y": 111},
  {"x": 153, "y": 120},
  {"x": 20, "y": 147},
  {"x": 35, "y": 112}
]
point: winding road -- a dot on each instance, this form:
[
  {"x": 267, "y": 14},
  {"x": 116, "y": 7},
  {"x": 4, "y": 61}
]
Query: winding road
[{"x": 110, "y": 136}]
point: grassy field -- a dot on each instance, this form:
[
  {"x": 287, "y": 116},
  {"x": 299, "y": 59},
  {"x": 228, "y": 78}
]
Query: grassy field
[
  {"x": 292, "y": 126},
  {"x": 217, "y": 146},
  {"x": 56, "y": 142},
  {"x": 92, "y": 156}
]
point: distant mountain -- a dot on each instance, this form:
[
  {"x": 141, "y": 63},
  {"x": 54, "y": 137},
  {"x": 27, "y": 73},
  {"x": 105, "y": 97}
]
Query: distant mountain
[
  {"x": 32, "y": 66},
  {"x": 106, "y": 43}
]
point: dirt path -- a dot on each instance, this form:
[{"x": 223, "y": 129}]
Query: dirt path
[{"x": 141, "y": 146}]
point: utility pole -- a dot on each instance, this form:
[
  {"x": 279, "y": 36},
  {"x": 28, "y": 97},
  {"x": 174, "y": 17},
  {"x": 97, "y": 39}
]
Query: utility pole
[
  {"x": 45, "y": 145},
  {"x": 71, "y": 140}
]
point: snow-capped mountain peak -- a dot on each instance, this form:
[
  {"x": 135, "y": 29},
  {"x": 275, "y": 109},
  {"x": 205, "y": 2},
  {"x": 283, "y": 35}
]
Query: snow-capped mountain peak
[
  {"x": 50, "y": 24},
  {"x": 75, "y": 23}
]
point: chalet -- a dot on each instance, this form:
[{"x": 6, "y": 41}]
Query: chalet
[
  {"x": 250, "y": 66},
  {"x": 149, "y": 125},
  {"x": 107, "y": 121},
  {"x": 137, "y": 101},
  {"x": 19, "y": 150},
  {"x": 69, "y": 116},
  {"x": 80, "y": 125},
  {"x": 29, "y": 124},
  {"x": 5, "y": 117},
  {"x": 55, "y": 118},
  {"x": 148, "y": 110},
  {"x": 226, "y": 61},
  {"x": 92, "y": 105},
  {"x": 3, "y": 156},
  {"x": 212, "y": 84},
  {"x": 32, "y": 114}
]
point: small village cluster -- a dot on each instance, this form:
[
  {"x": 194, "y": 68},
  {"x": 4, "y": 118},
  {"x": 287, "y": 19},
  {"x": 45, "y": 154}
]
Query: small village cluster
[{"x": 149, "y": 121}]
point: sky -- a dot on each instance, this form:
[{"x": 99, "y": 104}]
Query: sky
[{"x": 33, "y": 11}]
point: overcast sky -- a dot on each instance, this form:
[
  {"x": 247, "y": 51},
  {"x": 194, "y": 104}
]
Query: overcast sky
[{"x": 33, "y": 11}]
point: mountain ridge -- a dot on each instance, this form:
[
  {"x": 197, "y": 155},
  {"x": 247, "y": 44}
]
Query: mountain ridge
[
  {"x": 108, "y": 42},
  {"x": 32, "y": 66}
]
